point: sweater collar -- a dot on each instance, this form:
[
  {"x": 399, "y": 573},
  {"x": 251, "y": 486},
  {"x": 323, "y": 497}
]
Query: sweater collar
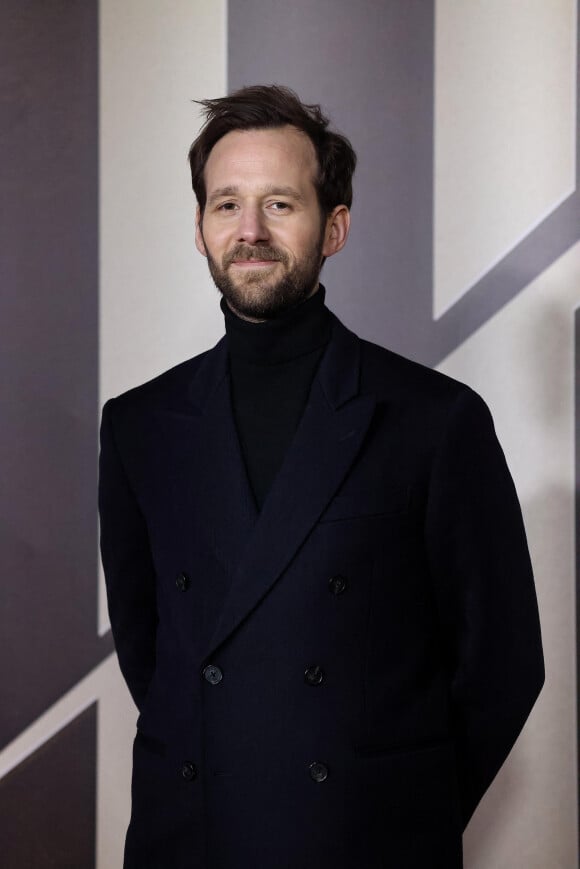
[{"x": 294, "y": 333}]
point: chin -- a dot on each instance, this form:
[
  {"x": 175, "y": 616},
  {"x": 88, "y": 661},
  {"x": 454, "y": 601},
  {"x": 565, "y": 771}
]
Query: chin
[
  {"x": 263, "y": 309},
  {"x": 257, "y": 297}
]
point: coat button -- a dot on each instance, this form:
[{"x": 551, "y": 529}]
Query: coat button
[
  {"x": 212, "y": 674},
  {"x": 318, "y": 771},
  {"x": 314, "y": 675},
  {"x": 182, "y": 582},
  {"x": 337, "y": 584},
  {"x": 189, "y": 771}
]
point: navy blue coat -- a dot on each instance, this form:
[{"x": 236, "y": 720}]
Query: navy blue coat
[{"x": 335, "y": 681}]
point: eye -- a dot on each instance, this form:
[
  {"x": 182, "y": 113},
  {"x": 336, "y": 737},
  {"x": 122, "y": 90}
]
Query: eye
[
  {"x": 227, "y": 206},
  {"x": 279, "y": 206}
]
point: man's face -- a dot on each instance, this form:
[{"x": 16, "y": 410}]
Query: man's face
[{"x": 262, "y": 229}]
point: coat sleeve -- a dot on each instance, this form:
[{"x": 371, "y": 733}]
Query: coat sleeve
[
  {"x": 128, "y": 566},
  {"x": 485, "y": 593}
]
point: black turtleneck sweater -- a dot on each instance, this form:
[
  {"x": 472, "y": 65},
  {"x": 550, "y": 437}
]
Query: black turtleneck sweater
[{"x": 272, "y": 365}]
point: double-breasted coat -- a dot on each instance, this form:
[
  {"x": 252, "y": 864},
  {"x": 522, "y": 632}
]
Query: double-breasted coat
[{"x": 335, "y": 681}]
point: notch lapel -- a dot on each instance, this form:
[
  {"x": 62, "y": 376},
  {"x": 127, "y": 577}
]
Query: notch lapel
[{"x": 327, "y": 440}]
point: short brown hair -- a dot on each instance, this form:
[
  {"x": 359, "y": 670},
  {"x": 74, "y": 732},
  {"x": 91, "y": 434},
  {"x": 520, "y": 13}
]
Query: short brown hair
[{"x": 268, "y": 107}]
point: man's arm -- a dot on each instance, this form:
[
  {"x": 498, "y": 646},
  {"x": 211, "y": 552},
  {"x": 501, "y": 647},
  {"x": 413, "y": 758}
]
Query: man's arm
[
  {"x": 129, "y": 571},
  {"x": 485, "y": 591}
]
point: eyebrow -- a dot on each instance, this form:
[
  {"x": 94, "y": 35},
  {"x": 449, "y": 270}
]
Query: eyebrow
[{"x": 269, "y": 190}]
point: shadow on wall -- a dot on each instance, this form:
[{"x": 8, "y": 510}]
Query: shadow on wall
[
  {"x": 500, "y": 826},
  {"x": 548, "y": 352}
]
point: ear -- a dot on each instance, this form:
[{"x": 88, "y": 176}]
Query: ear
[
  {"x": 199, "y": 242},
  {"x": 336, "y": 233}
]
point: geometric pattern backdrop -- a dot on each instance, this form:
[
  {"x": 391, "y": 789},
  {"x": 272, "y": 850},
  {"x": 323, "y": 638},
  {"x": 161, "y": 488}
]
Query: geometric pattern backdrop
[{"x": 464, "y": 254}]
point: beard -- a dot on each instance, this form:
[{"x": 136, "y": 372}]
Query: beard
[{"x": 255, "y": 295}]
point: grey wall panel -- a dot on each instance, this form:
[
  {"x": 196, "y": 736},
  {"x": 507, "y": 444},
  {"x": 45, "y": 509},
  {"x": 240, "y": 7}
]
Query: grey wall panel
[
  {"x": 48, "y": 347},
  {"x": 371, "y": 66}
]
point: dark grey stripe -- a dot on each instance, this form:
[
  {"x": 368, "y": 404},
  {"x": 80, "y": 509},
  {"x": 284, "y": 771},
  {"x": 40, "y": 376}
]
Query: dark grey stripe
[
  {"x": 49, "y": 347},
  {"x": 47, "y": 804},
  {"x": 371, "y": 66}
]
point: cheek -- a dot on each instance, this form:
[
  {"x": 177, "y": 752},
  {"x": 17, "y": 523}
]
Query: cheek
[
  {"x": 217, "y": 239},
  {"x": 299, "y": 241}
]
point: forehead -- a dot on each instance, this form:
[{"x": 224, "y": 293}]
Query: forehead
[{"x": 283, "y": 155}]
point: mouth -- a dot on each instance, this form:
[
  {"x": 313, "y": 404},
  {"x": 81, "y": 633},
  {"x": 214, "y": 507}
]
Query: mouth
[{"x": 253, "y": 263}]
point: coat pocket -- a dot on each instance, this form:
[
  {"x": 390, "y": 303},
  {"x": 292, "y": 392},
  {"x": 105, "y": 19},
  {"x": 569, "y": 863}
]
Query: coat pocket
[
  {"x": 414, "y": 779},
  {"x": 405, "y": 751}
]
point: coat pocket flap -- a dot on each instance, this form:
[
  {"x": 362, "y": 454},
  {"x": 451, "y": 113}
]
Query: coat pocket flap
[{"x": 374, "y": 502}]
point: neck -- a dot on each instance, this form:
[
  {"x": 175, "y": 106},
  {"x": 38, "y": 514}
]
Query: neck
[{"x": 294, "y": 333}]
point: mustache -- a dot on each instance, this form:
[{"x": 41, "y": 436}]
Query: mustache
[{"x": 262, "y": 252}]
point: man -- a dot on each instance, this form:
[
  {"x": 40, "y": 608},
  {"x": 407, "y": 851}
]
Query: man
[{"x": 318, "y": 578}]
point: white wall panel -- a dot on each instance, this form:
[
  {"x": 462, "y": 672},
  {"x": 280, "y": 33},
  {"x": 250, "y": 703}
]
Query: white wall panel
[
  {"x": 157, "y": 302},
  {"x": 115, "y": 732},
  {"x": 505, "y": 76}
]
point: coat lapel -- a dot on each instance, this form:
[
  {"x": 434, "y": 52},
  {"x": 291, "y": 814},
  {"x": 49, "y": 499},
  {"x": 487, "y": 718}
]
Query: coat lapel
[
  {"x": 213, "y": 483},
  {"x": 328, "y": 438}
]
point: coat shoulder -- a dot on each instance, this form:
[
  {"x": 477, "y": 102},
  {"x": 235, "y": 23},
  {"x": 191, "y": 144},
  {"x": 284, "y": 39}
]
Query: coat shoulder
[
  {"x": 427, "y": 403},
  {"x": 168, "y": 389},
  {"x": 391, "y": 376}
]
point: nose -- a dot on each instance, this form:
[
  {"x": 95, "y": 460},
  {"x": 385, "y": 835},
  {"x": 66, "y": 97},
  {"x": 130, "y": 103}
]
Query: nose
[{"x": 252, "y": 227}]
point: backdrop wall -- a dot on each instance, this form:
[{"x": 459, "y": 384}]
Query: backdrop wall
[{"x": 464, "y": 254}]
